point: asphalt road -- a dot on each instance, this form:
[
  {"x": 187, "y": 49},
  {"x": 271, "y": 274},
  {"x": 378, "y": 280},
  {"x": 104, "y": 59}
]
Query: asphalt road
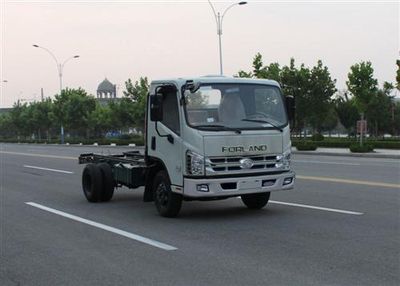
[{"x": 340, "y": 226}]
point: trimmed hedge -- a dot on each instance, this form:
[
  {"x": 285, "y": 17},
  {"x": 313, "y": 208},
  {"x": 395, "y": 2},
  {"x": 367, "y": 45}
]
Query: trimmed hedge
[
  {"x": 317, "y": 137},
  {"x": 356, "y": 148},
  {"x": 345, "y": 143},
  {"x": 306, "y": 146},
  {"x": 138, "y": 140},
  {"x": 385, "y": 144}
]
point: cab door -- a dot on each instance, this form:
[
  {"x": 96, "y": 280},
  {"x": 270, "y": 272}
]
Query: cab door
[{"x": 164, "y": 137}]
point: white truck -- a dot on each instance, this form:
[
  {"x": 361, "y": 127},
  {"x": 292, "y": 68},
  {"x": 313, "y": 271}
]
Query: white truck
[{"x": 206, "y": 138}]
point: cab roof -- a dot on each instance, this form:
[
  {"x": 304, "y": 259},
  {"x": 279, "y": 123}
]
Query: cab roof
[{"x": 215, "y": 79}]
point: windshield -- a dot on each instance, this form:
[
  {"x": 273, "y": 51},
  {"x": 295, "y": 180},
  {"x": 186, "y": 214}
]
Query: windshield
[{"x": 237, "y": 106}]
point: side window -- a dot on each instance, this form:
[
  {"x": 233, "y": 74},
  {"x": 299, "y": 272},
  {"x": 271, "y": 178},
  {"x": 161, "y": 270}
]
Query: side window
[{"x": 171, "y": 112}]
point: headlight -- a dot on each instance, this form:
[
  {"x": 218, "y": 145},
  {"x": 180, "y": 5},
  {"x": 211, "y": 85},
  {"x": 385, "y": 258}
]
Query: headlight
[
  {"x": 194, "y": 163},
  {"x": 283, "y": 160}
]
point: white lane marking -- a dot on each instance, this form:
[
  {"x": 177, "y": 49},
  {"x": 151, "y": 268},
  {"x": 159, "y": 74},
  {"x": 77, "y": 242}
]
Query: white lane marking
[
  {"x": 47, "y": 169},
  {"x": 329, "y": 163},
  {"x": 105, "y": 227},
  {"x": 364, "y": 161},
  {"x": 40, "y": 155},
  {"x": 317, "y": 208},
  {"x": 36, "y": 149},
  {"x": 347, "y": 181}
]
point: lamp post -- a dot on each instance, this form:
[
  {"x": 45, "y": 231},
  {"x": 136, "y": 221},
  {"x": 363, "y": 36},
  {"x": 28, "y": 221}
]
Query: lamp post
[
  {"x": 219, "y": 20},
  {"x": 60, "y": 68},
  {"x": 4, "y": 81}
]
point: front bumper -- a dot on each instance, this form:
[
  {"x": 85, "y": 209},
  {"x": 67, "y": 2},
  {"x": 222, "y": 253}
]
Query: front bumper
[{"x": 236, "y": 186}]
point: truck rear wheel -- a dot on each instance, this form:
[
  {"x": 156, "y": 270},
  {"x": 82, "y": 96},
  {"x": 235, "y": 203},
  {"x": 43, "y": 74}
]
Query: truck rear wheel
[
  {"x": 256, "y": 201},
  {"x": 168, "y": 204},
  {"x": 108, "y": 182},
  {"x": 92, "y": 182}
]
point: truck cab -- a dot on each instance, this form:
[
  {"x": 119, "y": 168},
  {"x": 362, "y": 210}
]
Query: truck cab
[{"x": 212, "y": 138}]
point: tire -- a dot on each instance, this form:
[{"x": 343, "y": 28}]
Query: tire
[
  {"x": 256, "y": 201},
  {"x": 168, "y": 204},
  {"x": 92, "y": 182},
  {"x": 108, "y": 182}
]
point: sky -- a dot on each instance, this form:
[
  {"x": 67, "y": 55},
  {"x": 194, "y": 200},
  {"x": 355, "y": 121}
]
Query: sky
[{"x": 164, "y": 39}]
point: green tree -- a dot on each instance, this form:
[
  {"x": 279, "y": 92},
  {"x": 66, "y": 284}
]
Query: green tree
[
  {"x": 272, "y": 71},
  {"x": 398, "y": 75},
  {"x": 258, "y": 68},
  {"x": 137, "y": 92},
  {"x": 362, "y": 84},
  {"x": 319, "y": 98},
  {"x": 387, "y": 88},
  {"x": 379, "y": 111},
  {"x": 72, "y": 109},
  {"x": 296, "y": 81},
  {"x": 347, "y": 112},
  {"x": 7, "y": 128},
  {"x": 18, "y": 117},
  {"x": 42, "y": 117},
  {"x": 100, "y": 120},
  {"x": 244, "y": 74},
  {"x": 396, "y": 118},
  {"x": 122, "y": 114},
  {"x": 330, "y": 120}
]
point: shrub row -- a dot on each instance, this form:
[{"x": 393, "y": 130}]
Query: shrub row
[
  {"x": 356, "y": 148},
  {"x": 306, "y": 146},
  {"x": 317, "y": 137},
  {"x": 348, "y": 143},
  {"x": 138, "y": 140}
]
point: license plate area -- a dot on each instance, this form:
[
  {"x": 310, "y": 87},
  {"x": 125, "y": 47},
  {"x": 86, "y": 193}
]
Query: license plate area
[{"x": 249, "y": 184}]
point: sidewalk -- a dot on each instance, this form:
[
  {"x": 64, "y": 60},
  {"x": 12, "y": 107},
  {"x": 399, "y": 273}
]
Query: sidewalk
[{"x": 378, "y": 153}]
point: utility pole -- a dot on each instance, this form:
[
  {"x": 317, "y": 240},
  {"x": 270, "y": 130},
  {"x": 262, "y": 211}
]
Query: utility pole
[
  {"x": 219, "y": 19},
  {"x": 60, "y": 68}
]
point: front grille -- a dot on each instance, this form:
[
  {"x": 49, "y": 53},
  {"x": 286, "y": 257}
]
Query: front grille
[{"x": 232, "y": 165}]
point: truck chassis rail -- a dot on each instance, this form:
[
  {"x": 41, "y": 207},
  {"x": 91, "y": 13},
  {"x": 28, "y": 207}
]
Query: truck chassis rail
[{"x": 128, "y": 169}]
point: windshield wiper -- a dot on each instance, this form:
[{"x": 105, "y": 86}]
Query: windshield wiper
[
  {"x": 263, "y": 121},
  {"x": 219, "y": 127}
]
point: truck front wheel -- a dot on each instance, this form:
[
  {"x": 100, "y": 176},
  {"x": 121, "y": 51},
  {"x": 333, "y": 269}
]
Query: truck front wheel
[
  {"x": 256, "y": 201},
  {"x": 168, "y": 204}
]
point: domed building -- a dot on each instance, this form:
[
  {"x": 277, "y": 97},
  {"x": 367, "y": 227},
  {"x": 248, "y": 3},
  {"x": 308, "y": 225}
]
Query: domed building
[{"x": 106, "y": 91}]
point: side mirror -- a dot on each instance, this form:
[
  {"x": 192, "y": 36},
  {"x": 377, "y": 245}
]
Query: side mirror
[
  {"x": 156, "y": 110},
  {"x": 192, "y": 86},
  {"x": 195, "y": 87},
  {"x": 290, "y": 107}
]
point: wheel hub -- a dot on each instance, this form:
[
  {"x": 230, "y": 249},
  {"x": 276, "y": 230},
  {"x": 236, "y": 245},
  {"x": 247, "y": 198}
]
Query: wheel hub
[{"x": 162, "y": 194}]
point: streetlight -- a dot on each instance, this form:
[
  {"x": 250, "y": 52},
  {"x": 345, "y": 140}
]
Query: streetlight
[
  {"x": 219, "y": 19},
  {"x": 60, "y": 68},
  {"x": 3, "y": 81}
]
